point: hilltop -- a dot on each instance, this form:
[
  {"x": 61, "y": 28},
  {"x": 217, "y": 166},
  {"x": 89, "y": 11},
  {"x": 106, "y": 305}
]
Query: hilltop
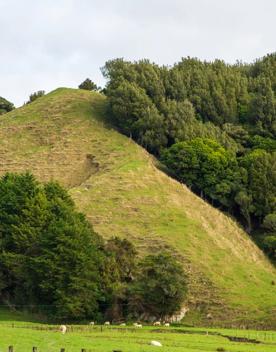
[{"x": 119, "y": 186}]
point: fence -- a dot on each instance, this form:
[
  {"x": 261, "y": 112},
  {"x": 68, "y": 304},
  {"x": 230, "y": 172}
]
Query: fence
[{"x": 34, "y": 349}]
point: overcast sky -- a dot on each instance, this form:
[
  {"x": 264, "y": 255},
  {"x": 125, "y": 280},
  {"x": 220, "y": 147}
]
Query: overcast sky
[{"x": 47, "y": 44}]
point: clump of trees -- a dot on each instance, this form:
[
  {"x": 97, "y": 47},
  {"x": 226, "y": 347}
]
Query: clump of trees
[
  {"x": 5, "y": 106},
  {"x": 53, "y": 262},
  {"x": 212, "y": 124},
  {"x": 155, "y": 285},
  {"x": 50, "y": 255},
  {"x": 206, "y": 167},
  {"x": 87, "y": 84},
  {"x": 160, "y": 286},
  {"x": 35, "y": 96}
]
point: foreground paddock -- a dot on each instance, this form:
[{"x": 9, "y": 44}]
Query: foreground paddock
[{"x": 47, "y": 338}]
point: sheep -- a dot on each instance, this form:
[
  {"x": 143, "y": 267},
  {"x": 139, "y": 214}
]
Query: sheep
[
  {"x": 157, "y": 323},
  {"x": 167, "y": 324},
  {"x": 63, "y": 329},
  {"x": 139, "y": 326},
  {"x": 107, "y": 323},
  {"x": 123, "y": 324},
  {"x": 156, "y": 343},
  {"x": 92, "y": 323}
]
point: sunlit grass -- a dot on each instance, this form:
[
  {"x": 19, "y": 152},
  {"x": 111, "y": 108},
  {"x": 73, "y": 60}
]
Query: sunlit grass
[
  {"x": 104, "y": 339},
  {"x": 123, "y": 193}
]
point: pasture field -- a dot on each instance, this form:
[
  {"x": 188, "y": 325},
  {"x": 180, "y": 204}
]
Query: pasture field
[
  {"x": 23, "y": 336},
  {"x": 65, "y": 136}
]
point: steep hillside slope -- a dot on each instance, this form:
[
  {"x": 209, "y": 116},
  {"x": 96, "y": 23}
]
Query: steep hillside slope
[{"x": 116, "y": 183}]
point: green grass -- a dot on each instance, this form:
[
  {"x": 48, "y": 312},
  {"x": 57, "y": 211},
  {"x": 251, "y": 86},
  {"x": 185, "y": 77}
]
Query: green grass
[
  {"x": 104, "y": 339},
  {"x": 123, "y": 193}
]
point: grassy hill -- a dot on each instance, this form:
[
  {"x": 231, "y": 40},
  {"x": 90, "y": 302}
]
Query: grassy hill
[{"x": 117, "y": 184}]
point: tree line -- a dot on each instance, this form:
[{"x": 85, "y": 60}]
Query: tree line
[
  {"x": 52, "y": 262},
  {"x": 212, "y": 124}
]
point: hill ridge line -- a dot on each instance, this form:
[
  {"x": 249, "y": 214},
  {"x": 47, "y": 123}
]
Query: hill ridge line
[{"x": 129, "y": 196}]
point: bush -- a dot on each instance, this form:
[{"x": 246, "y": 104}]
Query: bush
[
  {"x": 35, "y": 96},
  {"x": 5, "y": 106},
  {"x": 124, "y": 254},
  {"x": 206, "y": 166},
  {"x": 88, "y": 85},
  {"x": 160, "y": 286}
]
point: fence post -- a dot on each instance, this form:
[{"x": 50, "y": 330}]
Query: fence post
[{"x": 10, "y": 348}]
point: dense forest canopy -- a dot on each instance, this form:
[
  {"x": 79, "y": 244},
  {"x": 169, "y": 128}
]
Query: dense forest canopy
[{"x": 212, "y": 124}]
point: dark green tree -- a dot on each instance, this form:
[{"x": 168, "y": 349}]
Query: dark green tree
[
  {"x": 259, "y": 142},
  {"x": 50, "y": 256},
  {"x": 160, "y": 286},
  {"x": 5, "y": 106},
  {"x": 120, "y": 270},
  {"x": 137, "y": 116},
  {"x": 88, "y": 85},
  {"x": 269, "y": 240},
  {"x": 260, "y": 181},
  {"x": 263, "y": 107},
  {"x": 35, "y": 96},
  {"x": 124, "y": 254},
  {"x": 204, "y": 166}
]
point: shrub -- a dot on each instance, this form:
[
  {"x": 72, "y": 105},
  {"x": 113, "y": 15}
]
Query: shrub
[
  {"x": 160, "y": 286},
  {"x": 35, "y": 96},
  {"x": 88, "y": 85},
  {"x": 5, "y": 106}
]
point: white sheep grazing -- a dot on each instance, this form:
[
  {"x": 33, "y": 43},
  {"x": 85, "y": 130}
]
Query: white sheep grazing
[
  {"x": 123, "y": 324},
  {"x": 139, "y": 326},
  {"x": 167, "y": 324},
  {"x": 156, "y": 343},
  {"x": 135, "y": 324},
  {"x": 157, "y": 323},
  {"x": 107, "y": 323},
  {"x": 91, "y": 323},
  {"x": 63, "y": 329}
]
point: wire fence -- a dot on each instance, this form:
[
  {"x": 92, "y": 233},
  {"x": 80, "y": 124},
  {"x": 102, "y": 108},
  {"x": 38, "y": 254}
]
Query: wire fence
[
  {"x": 234, "y": 336},
  {"x": 35, "y": 349}
]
